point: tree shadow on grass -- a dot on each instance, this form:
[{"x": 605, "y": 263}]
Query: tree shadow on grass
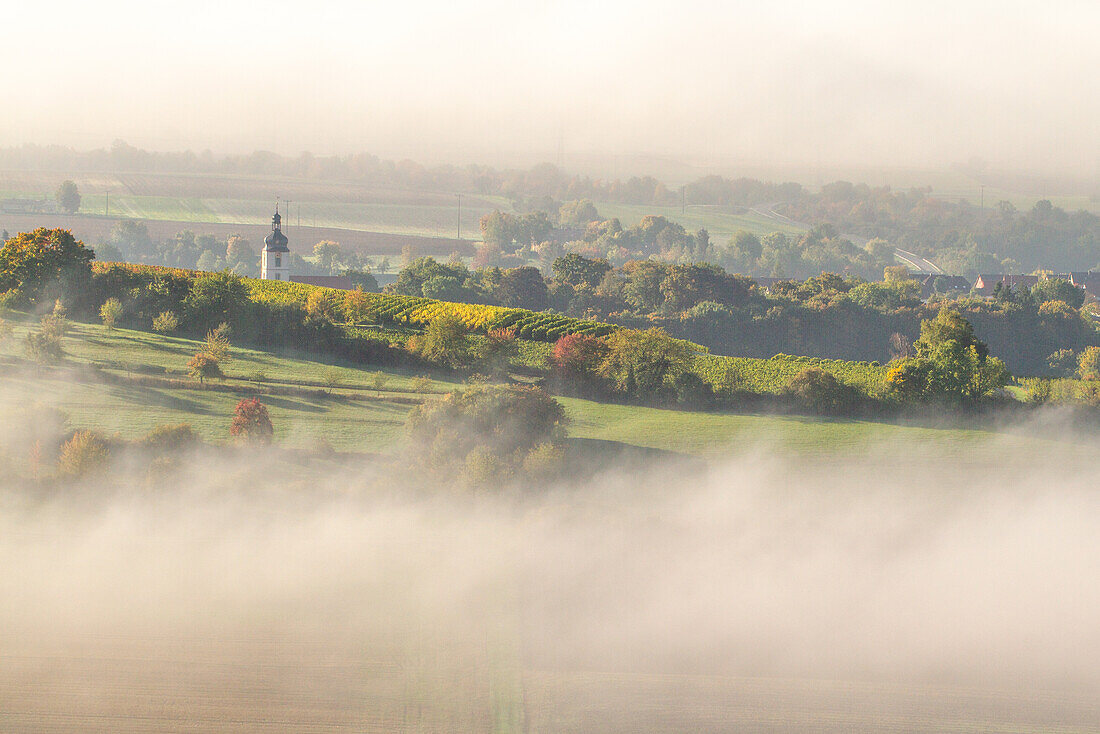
[
  {"x": 296, "y": 404},
  {"x": 153, "y": 397}
]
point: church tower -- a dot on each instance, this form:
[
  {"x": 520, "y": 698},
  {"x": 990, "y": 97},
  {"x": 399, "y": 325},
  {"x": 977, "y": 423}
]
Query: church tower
[{"x": 275, "y": 258}]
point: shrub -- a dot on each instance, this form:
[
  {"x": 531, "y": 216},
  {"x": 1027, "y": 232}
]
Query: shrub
[
  {"x": 5, "y": 331},
  {"x": 175, "y": 437},
  {"x": 422, "y": 384},
  {"x": 820, "y": 392},
  {"x": 251, "y": 422},
  {"x": 166, "y": 322},
  {"x": 83, "y": 454},
  {"x": 110, "y": 312}
]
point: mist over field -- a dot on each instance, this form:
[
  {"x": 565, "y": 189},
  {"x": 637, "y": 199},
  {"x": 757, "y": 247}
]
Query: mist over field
[
  {"x": 836, "y": 591},
  {"x": 711, "y": 84}
]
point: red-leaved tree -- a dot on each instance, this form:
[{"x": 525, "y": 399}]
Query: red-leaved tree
[
  {"x": 578, "y": 356},
  {"x": 251, "y": 422}
]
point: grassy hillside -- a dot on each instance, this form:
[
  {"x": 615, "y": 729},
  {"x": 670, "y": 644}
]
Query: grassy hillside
[{"x": 313, "y": 400}]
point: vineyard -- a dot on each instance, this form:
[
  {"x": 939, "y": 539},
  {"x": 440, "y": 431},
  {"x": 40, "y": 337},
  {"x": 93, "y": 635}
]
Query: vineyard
[
  {"x": 413, "y": 311},
  {"x": 773, "y": 375}
]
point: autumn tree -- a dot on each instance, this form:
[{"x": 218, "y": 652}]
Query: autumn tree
[
  {"x": 251, "y": 422},
  {"x": 33, "y": 262},
  {"x": 1088, "y": 364},
  {"x": 324, "y": 304},
  {"x": 644, "y": 363},
  {"x": 203, "y": 366},
  {"x": 84, "y": 453},
  {"x": 217, "y": 343},
  {"x": 578, "y": 356},
  {"x": 356, "y": 306}
]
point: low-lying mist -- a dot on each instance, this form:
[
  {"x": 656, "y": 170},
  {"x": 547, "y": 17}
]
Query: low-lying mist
[{"x": 232, "y": 596}]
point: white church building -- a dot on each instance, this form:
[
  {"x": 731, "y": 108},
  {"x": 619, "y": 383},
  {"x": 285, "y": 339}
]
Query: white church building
[{"x": 275, "y": 261}]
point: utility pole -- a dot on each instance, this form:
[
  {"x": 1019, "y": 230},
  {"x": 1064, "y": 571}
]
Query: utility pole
[
  {"x": 459, "y": 236},
  {"x": 288, "y": 215},
  {"x": 107, "y": 206},
  {"x": 683, "y": 199},
  {"x": 299, "y": 224},
  {"x": 983, "y": 198}
]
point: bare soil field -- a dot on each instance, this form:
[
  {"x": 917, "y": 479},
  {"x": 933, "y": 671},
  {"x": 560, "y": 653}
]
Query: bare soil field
[
  {"x": 94, "y": 230},
  {"x": 260, "y": 682}
]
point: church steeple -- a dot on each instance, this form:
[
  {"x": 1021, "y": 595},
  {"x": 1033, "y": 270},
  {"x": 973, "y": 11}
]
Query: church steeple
[{"x": 275, "y": 258}]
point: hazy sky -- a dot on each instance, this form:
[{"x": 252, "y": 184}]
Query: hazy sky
[{"x": 896, "y": 83}]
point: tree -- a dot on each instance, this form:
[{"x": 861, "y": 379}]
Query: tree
[
  {"x": 356, "y": 306},
  {"x": 745, "y": 249},
  {"x": 644, "y": 363},
  {"x": 378, "y": 381},
  {"x": 497, "y": 351},
  {"x": 578, "y": 356},
  {"x": 951, "y": 365},
  {"x": 1088, "y": 364},
  {"x": 165, "y": 322},
  {"x": 445, "y": 341},
  {"x": 217, "y": 343},
  {"x": 895, "y": 274},
  {"x": 218, "y": 298},
  {"x": 324, "y": 304},
  {"x": 577, "y": 213},
  {"x": 203, "y": 366},
  {"x": 1058, "y": 289},
  {"x": 84, "y": 453},
  {"x": 68, "y": 197},
  {"x": 238, "y": 250},
  {"x": 45, "y": 259},
  {"x": 110, "y": 312},
  {"x": 251, "y": 422},
  {"x": 522, "y": 288},
  {"x": 577, "y": 270},
  {"x": 327, "y": 253},
  {"x": 483, "y": 433}
]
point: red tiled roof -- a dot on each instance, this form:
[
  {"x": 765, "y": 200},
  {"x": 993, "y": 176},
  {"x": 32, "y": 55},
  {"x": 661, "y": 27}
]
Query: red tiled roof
[{"x": 342, "y": 282}]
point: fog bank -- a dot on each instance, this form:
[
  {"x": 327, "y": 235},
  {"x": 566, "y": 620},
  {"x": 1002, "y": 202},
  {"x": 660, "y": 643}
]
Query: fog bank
[{"x": 842, "y": 590}]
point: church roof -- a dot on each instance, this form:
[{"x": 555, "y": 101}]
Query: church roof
[{"x": 276, "y": 241}]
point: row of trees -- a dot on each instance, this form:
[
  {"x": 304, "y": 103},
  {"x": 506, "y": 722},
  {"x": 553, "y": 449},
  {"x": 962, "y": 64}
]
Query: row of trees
[
  {"x": 825, "y": 316},
  {"x": 130, "y": 241}
]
